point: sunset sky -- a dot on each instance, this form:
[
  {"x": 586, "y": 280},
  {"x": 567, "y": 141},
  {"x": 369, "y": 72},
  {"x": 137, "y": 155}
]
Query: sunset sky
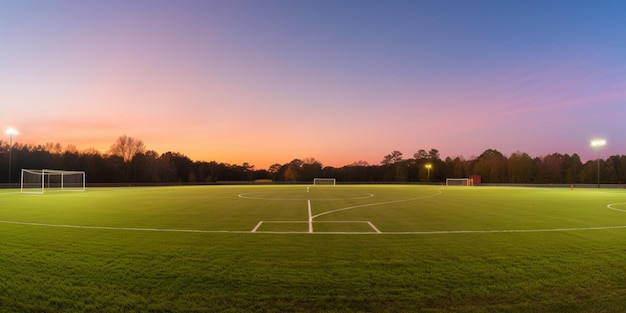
[{"x": 264, "y": 81}]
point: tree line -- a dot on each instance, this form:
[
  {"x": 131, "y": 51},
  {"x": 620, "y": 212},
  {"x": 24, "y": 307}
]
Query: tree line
[{"x": 128, "y": 161}]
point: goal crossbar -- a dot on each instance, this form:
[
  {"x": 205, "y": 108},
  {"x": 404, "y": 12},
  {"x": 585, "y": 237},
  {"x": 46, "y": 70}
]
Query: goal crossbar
[
  {"x": 324, "y": 181},
  {"x": 459, "y": 182},
  {"x": 38, "y": 181}
]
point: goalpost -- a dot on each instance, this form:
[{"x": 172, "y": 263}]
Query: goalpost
[
  {"x": 38, "y": 181},
  {"x": 459, "y": 182},
  {"x": 324, "y": 181}
]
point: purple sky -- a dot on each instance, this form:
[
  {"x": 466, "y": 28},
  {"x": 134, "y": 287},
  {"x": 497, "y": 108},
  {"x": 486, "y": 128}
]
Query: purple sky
[{"x": 268, "y": 81}]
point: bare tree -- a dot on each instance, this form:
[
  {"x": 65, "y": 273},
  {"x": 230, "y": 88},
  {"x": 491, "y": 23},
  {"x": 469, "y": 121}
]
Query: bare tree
[{"x": 127, "y": 147}]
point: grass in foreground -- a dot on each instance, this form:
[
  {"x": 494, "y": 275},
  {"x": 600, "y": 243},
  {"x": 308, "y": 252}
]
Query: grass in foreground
[{"x": 53, "y": 269}]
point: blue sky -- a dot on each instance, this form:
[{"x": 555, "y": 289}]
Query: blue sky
[{"x": 268, "y": 81}]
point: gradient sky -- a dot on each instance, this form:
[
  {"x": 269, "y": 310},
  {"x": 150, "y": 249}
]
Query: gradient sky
[{"x": 265, "y": 82}]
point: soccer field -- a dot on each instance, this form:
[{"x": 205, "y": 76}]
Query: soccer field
[{"x": 299, "y": 248}]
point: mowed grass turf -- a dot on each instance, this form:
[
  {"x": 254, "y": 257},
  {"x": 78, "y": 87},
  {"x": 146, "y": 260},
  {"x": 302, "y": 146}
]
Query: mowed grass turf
[{"x": 363, "y": 248}]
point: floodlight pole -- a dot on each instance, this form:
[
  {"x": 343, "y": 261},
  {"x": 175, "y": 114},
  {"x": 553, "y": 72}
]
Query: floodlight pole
[
  {"x": 10, "y": 131},
  {"x": 598, "y": 143},
  {"x": 428, "y": 167}
]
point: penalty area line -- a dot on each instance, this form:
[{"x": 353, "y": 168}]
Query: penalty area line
[
  {"x": 257, "y": 226},
  {"x": 374, "y": 227}
]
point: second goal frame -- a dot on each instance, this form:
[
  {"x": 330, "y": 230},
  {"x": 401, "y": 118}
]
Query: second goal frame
[
  {"x": 459, "y": 182},
  {"x": 324, "y": 181}
]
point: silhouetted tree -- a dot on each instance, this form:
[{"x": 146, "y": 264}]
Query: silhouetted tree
[
  {"x": 420, "y": 154},
  {"x": 491, "y": 166},
  {"x": 126, "y": 148},
  {"x": 621, "y": 168},
  {"x": 521, "y": 168},
  {"x": 311, "y": 168},
  {"x": 394, "y": 157},
  {"x": 549, "y": 169},
  {"x": 292, "y": 170},
  {"x": 174, "y": 167},
  {"x": 572, "y": 166},
  {"x": 274, "y": 170},
  {"x": 145, "y": 167},
  {"x": 455, "y": 168}
]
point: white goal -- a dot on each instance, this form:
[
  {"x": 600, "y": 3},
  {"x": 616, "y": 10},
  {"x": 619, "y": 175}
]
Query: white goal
[
  {"x": 40, "y": 181},
  {"x": 459, "y": 182},
  {"x": 324, "y": 181}
]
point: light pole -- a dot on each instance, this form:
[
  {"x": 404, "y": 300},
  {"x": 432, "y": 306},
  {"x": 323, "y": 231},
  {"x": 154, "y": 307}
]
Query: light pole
[
  {"x": 597, "y": 144},
  {"x": 428, "y": 167},
  {"x": 10, "y": 131}
]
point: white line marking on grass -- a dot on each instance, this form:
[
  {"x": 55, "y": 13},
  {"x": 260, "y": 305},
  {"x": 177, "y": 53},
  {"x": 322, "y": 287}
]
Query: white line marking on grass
[
  {"x": 281, "y": 222},
  {"x": 441, "y": 232},
  {"x": 373, "y": 227},
  {"x": 448, "y": 232},
  {"x": 10, "y": 193},
  {"x": 610, "y": 206},
  {"x": 250, "y": 195},
  {"x": 310, "y": 217},
  {"x": 374, "y": 204},
  {"x": 310, "y": 222},
  {"x": 503, "y": 230},
  {"x": 257, "y": 226}
]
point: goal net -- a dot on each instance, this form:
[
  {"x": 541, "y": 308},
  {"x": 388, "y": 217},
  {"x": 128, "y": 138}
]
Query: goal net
[
  {"x": 40, "y": 181},
  {"x": 324, "y": 181},
  {"x": 459, "y": 182}
]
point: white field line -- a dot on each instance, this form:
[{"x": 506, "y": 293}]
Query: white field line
[
  {"x": 310, "y": 217},
  {"x": 330, "y": 233},
  {"x": 374, "y": 204},
  {"x": 250, "y": 195},
  {"x": 10, "y": 193},
  {"x": 284, "y": 222},
  {"x": 257, "y": 226},
  {"x": 255, "y": 230},
  {"x": 455, "y": 232},
  {"x": 350, "y": 222},
  {"x": 610, "y": 206},
  {"x": 341, "y": 222},
  {"x": 374, "y": 227},
  {"x": 505, "y": 230}
]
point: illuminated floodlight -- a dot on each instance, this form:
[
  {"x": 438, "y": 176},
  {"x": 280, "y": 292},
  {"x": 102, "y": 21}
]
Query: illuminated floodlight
[
  {"x": 597, "y": 144},
  {"x": 428, "y": 167},
  {"x": 10, "y": 131}
]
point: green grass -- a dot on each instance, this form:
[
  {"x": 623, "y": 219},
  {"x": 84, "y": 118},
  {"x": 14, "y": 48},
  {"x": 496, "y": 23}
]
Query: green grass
[{"x": 441, "y": 249}]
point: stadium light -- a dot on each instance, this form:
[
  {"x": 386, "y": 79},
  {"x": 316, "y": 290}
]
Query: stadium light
[
  {"x": 10, "y": 131},
  {"x": 598, "y": 144},
  {"x": 428, "y": 167}
]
